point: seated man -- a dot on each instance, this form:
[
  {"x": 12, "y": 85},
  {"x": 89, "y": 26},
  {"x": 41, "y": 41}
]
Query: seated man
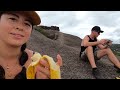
[{"x": 90, "y": 52}]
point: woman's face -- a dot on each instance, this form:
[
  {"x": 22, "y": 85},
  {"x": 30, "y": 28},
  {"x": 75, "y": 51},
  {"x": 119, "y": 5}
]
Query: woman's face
[{"x": 15, "y": 28}]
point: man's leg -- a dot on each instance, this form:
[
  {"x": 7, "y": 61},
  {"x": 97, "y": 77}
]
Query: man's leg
[
  {"x": 90, "y": 55},
  {"x": 110, "y": 55}
]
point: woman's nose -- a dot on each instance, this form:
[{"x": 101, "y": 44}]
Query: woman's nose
[{"x": 19, "y": 26}]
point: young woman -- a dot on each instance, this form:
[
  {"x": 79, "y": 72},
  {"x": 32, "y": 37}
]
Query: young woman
[{"x": 15, "y": 31}]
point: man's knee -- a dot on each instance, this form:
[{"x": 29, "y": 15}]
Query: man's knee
[
  {"x": 106, "y": 51},
  {"x": 89, "y": 48}
]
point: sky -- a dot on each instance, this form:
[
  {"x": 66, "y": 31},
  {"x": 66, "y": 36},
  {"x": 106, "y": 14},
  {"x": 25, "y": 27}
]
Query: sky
[{"x": 80, "y": 23}]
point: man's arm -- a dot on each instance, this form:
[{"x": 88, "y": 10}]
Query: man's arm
[
  {"x": 102, "y": 46},
  {"x": 87, "y": 43}
]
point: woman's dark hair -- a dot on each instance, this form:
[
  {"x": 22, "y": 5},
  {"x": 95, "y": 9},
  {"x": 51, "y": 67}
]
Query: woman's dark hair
[
  {"x": 1, "y": 14},
  {"x": 24, "y": 56}
]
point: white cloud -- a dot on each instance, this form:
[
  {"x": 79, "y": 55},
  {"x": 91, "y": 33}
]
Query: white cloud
[{"x": 79, "y": 23}]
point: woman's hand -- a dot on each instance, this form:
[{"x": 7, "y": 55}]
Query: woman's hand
[{"x": 43, "y": 70}]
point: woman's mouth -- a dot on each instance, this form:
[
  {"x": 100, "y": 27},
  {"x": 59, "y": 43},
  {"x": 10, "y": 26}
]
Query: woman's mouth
[{"x": 17, "y": 35}]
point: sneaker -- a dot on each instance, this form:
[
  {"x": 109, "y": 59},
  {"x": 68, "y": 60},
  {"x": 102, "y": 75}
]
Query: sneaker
[
  {"x": 118, "y": 69},
  {"x": 96, "y": 73}
]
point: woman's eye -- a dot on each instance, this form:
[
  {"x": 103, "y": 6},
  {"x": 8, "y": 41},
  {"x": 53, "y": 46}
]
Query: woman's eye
[
  {"x": 28, "y": 24},
  {"x": 13, "y": 19}
]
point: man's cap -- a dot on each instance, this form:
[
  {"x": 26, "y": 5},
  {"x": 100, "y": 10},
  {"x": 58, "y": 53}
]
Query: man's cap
[
  {"x": 97, "y": 29},
  {"x": 35, "y": 18}
]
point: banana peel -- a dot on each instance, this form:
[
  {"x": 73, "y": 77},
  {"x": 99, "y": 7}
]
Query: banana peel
[{"x": 54, "y": 68}]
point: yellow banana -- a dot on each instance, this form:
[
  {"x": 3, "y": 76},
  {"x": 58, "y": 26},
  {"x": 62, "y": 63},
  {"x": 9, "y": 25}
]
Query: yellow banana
[{"x": 54, "y": 68}]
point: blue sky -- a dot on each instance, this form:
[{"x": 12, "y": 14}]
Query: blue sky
[{"x": 79, "y": 23}]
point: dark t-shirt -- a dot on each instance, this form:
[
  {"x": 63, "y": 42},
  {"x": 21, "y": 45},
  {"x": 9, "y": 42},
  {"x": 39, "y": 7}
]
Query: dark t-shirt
[
  {"x": 90, "y": 40},
  {"x": 22, "y": 73}
]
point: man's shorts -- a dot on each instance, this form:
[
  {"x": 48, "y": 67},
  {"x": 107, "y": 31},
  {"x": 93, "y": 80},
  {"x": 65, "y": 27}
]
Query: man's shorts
[{"x": 85, "y": 58}]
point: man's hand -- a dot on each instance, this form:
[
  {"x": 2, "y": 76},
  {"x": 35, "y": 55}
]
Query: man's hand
[
  {"x": 103, "y": 41},
  {"x": 109, "y": 42},
  {"x": 43, "y": 70}
]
